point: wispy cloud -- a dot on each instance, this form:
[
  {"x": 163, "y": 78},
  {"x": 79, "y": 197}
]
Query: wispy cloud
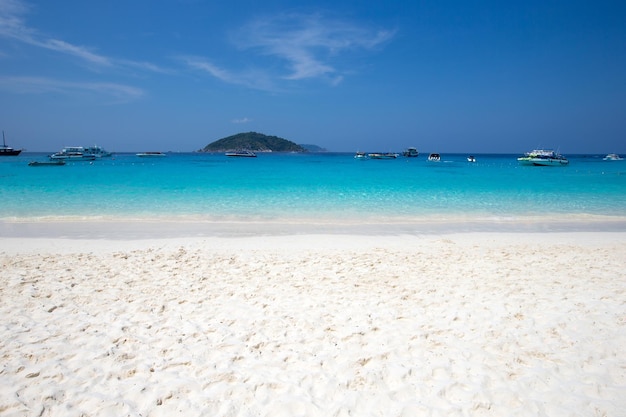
[
  {"x": 13, "y": 26},
  {"x": 309, "y": 44},
  {"x": 77, "y": 51},
  {"x": 251, "y": 78},
  {"x": 38, "y": 85},
  {"x": 304, "y": 47},
  {"x": 206, "y": 66},
  {"x": 243, "y": 120},
  {"x": 11, "y": 22},
  {"x": 279, "y": 51}
]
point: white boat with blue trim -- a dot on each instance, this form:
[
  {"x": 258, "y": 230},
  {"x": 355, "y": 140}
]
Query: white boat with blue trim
[
  {"x": 73, "y": 153},
  {"x": 543, "y": 157}
]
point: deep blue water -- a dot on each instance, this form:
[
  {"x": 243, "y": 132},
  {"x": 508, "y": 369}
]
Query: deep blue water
[{"x": 309, "y": 186}]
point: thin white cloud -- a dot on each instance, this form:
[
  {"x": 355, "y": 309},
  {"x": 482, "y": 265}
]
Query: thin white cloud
[
  {"x": 78, "y": 51},
  {"x": 12, "y": 25},
  {"x": 40, "y": 85},
  {"x": 305, "y": 47},
  {"x": 206, "y": 66},
  {"x": 146, "y": 66},
  {"x": 243, "y": 120},
  {"x": 310, "y": 45},
  {"x": 283, "y": 49},
  {"x": 255, "y": 78}
]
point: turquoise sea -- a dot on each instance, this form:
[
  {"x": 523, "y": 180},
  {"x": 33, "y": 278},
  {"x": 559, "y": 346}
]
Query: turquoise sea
[{"x": 325, "y": 187}]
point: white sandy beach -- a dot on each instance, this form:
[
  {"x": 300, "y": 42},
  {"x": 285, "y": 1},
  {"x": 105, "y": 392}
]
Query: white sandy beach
[{"x": 469, "y": 324}]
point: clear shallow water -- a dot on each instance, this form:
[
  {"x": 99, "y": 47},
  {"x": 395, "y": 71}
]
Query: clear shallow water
[{"x": 294, "y": 187}]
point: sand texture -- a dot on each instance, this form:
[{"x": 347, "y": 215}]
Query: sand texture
[{"x": 437, "y": 325}]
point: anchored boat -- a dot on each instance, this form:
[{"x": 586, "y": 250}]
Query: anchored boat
[
  {"x": 543, "y": 157},
  {"x": 7, "y": 150},
  {"x": 150, "y": 154},
  {"x": 385, "y": 155},
  {"x": 410, "y": 152},
  {"x": 51, "y": 163},
  {"x": 73, "y": 153}
]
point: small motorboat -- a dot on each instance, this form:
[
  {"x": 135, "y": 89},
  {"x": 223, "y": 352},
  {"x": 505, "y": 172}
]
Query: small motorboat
[
  {"x": 434, "y": 157},
  {"x": 471, "y": 158},
  {"x": 613, "y": 157},
  {"x": 150, "y": 154},
  {"x": 382, "y": 155},
  {"x": 360, "y": 155},
  {"x": 51, "y": 163}
]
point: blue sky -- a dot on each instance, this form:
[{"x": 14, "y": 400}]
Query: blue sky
[{"x": 444, "y": 76}]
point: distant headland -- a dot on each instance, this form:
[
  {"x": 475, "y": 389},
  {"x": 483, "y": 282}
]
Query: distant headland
[{"x": 257, "y": 142}]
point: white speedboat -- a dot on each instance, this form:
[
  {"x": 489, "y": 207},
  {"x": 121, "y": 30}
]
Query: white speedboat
[
  {"x": 150, "y": 154},
  {"x": 471, "y": 158},
  {"x": 543, "y": 157},
  {"x": 613, "y": 157},
  {"x": 241, "y": 154},
  {"x": 434, "y": 157},
  {"x": 360, "y": 155},
  {"x": 73, "y": 153}
]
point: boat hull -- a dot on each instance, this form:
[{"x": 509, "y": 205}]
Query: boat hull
[
  {"x": 60, "y": 157},
  {"x": 54, "y": 163},
  {"x": 543, "y": 162},
  {"x": 382, "y": 155},
  {"x": 151, "y": 155}
]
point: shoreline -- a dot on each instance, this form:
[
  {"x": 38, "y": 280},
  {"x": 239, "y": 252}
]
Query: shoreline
[
  {"x": 310, "y": 242},
  {"x": 146, "y": 228}
]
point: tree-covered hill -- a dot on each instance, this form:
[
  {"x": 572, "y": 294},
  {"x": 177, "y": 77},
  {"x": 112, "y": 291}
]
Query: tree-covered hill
[{"x": 253, "y": 141}]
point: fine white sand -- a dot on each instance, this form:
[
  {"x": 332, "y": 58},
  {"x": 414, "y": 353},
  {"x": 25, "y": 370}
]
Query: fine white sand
[{"x": 471, "y": 324}]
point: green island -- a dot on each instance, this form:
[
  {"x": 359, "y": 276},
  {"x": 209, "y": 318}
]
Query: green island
[{"x": 253, "y": 141}]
